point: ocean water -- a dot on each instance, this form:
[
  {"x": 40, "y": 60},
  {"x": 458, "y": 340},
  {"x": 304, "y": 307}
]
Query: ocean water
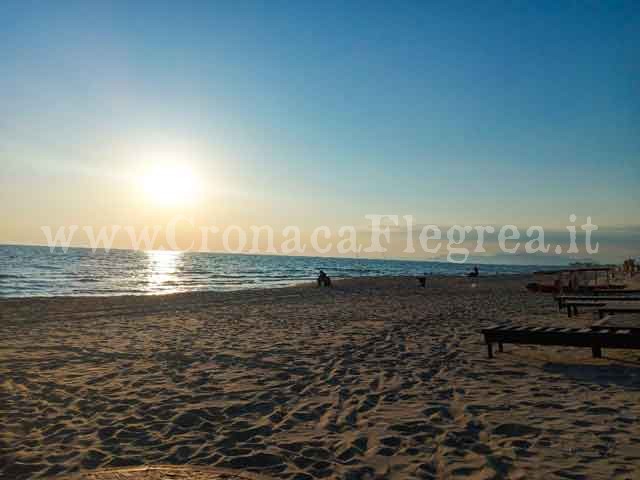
[{"x": 27, "y": 271}]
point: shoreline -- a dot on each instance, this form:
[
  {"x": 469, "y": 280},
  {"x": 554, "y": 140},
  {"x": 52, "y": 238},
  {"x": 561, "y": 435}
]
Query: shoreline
[{"x": 294, "y": 284}]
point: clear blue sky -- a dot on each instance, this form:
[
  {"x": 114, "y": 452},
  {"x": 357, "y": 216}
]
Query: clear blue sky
[{"x": 453, "y": 112}]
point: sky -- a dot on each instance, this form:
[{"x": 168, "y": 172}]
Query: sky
[{"x": 318, "y": 113}]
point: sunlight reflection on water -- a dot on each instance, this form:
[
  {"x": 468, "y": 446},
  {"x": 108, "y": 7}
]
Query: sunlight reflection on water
[{"x": 163, "y": 270}]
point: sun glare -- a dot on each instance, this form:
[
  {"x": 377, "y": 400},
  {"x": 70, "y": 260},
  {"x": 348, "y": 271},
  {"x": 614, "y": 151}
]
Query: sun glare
[{"x": 170, "y": 185}]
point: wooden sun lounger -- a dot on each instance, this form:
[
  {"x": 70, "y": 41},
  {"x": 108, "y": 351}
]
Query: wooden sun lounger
[
  {"x": 614, "y": 291},
  {"x": 596, "y": 337},
  {"x": 572, "y": 305},
  {"x": 563, "y": 300},
  {"x": 613, "y": 309}
]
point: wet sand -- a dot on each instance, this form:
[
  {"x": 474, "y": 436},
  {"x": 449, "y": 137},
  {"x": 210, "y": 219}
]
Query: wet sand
[{"x": 374, "y": 378}]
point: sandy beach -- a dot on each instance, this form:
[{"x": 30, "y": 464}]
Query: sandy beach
[{"x": 375, "y": 378}]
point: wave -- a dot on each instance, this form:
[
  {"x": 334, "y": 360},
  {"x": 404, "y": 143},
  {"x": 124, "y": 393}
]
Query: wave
[{"x": 9, "y": 275}]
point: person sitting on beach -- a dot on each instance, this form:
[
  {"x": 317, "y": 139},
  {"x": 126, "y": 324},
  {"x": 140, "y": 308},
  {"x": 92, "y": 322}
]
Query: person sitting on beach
[
  {"x": 474, "y": 273},
  {"x": 324, "y": 280}
]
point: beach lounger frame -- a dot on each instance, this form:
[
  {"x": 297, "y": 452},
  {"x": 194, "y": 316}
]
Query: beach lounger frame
[
  {"x": 596, "y": 337},
  {"x": 572, "y": 302},
  {"x": 617, "y": 309}
]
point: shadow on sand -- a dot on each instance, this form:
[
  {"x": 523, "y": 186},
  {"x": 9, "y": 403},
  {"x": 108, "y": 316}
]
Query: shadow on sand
[{"x": 627, "y": 375}]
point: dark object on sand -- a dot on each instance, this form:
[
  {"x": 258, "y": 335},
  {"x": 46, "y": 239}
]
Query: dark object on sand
[
  {"x": 423, "y": 281},
  {"x": 474, "y": 273},
  {"x": 324, "y": 280},
  {"x": 596, "y": 337},
  {"x": 541, "y": 287}
]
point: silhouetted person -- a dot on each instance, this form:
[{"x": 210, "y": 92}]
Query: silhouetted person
[
  {"x": 324, "y": 280},
  {"x": 475, "y": 272}
]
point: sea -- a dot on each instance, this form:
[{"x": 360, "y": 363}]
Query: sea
[{"x": 34, "y": 271}]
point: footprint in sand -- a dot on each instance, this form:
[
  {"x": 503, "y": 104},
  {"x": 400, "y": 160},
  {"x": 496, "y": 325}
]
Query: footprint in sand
[
  {"x": 369, "y": 403},
  {"x": 515, "y": 430}
]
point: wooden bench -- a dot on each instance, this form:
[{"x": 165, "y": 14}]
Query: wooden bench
[{"x": 595, "y": 337}]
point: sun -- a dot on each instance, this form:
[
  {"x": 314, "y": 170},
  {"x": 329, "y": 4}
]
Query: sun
[{"x": 170, "y": 185}]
